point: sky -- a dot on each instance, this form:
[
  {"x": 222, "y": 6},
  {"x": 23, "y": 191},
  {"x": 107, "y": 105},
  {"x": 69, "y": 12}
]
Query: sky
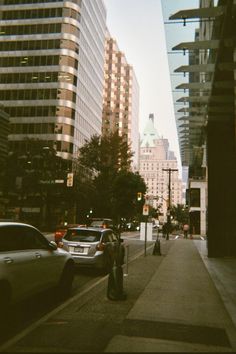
[{"x": 138, "y": 26}]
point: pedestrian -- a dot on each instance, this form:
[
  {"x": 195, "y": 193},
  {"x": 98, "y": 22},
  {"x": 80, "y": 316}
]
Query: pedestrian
[{"x": 186, "y": 229}]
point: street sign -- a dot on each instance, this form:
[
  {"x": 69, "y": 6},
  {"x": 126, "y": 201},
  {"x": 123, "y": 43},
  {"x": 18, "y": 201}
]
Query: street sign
[
  {"x": 70, "y": 177},
  {"x": 146, "y": 209}
]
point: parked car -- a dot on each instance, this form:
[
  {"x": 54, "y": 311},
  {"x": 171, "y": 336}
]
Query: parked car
[
  {"x": 91, "y": 246},
  {"x": 61, "y": 230},
  {"x": 102, "y": 222},
  {"x": 30, "y": 264},
  {"x": 132, "y": 226}
]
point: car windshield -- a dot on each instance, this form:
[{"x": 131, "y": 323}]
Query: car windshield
[{"x": 82, "y": 235}]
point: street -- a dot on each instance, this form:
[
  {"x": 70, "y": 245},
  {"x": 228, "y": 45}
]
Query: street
[{"x": 30, "y": 311}]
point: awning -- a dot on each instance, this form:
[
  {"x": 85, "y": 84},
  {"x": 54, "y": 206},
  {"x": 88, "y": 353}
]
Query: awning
[
  {"x": 211, "y": 44},
  {"x": 195, "y": 86},
  {"x": 198, "y": 13},
  {"x": 196, "y": 68}
]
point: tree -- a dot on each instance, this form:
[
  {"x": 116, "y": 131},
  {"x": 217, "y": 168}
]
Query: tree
[
  {"x": 180, "y": 213},
  {"x": 106, "y": 154},
  {"x": 115, "y": 185},
  {"x": 125, "y": 188}
]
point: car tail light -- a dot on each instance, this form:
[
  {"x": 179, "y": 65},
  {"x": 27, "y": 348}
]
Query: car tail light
[
  {"x": 59, "y": 233},
  {"x": 100, "y": 247}
]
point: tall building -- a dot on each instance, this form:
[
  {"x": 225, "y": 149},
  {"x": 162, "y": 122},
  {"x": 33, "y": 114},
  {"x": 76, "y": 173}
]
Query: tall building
[
  {"x": 154, "y": 157},
  {"x": 210, "y": 143},
  {"x": 4, "y": 132},
  {"x": 121, "y": 98},
  {"x": 51, "y": 71}
]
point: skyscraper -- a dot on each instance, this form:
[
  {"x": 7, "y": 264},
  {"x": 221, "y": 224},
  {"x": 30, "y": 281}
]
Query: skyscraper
[
  {"x": 121, "y": 98},
  {"x": 51, "y": 71},
  {"x": 154, "y": 157}
]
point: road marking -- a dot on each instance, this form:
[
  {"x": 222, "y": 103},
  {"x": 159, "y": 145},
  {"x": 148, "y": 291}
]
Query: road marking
[{"x": 33, "y": 326}]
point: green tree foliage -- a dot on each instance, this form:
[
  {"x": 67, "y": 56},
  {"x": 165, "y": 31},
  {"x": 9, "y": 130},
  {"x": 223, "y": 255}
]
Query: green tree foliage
[
  {"x": 106, "y": 154},
  {"x": 180, "y": 213},
  {"x": 115, "y": 185},
  {"x": 125, "y": 187}
]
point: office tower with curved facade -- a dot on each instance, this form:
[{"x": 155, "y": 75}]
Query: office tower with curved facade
[{"x": 51, "y": 71}]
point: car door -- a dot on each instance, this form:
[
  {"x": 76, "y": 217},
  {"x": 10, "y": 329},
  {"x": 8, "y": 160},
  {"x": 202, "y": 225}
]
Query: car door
[
  {"x": 16, "y": 262},
  {"x": 49, "y": 263}
]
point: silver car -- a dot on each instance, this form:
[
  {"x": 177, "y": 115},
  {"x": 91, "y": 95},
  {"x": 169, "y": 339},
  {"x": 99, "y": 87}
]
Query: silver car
[
  {"x": 92, "y": 246},
  {"x": 29, "y": 264}
]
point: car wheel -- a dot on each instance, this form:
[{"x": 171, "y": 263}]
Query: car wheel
[{"x": 66, "y": 281}]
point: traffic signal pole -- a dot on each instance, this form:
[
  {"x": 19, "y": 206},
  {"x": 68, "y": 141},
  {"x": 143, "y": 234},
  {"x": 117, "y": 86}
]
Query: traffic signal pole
[{"x": 169, "y": 170}]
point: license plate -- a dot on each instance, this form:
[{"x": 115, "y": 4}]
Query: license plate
[
  {"x": 76, "y": 249},
  {"x": 79, "y": 250}
]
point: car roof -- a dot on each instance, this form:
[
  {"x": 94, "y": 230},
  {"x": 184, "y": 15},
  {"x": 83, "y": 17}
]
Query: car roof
[
  {"x": 101, "y": 229},
  {"x": 101, "y": 219},
  {"x": 8, "y": 223}
]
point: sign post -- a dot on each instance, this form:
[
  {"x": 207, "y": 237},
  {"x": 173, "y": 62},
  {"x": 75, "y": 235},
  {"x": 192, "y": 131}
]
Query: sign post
[{"x": 145, "y": 213}]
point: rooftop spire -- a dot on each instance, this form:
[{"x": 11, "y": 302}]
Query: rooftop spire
[
  {"x": 150, "y": 133},
  {"x": 151, "y": 117}
]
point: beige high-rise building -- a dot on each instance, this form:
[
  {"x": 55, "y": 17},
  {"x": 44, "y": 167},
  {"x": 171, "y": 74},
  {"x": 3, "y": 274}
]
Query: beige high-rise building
[
  {"x": 52, "y": 71},
  {"x": 154, "y": 157},
  {"x": 121, "y": 98}
]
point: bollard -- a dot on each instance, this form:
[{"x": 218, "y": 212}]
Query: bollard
[
  {"x": 115, "y": 289},
  {"x": 157, "y": 248}
]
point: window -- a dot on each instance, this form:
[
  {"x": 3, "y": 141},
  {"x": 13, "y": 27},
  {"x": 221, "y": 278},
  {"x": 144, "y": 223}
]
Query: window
[
  {"x": 195, "y": 197},
  {"x": 17, "y": 238},
  {"x": 32, "y": 239},
  {"x": 82, "y": 235}
]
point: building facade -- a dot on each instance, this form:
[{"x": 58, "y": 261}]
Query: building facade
[
  {"x": 51, "y": 72},
  {"x": 210, "y": 142},
  {"x": 4, "y": 132},
  {"x": 121, "y": 98},
  {"x": 155, "y": 157}
]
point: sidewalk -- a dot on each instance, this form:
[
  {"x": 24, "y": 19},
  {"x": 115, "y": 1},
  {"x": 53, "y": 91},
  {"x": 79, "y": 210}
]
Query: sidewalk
[
  {"x": 178, "y": 302},
  {"x": 180, "y": 309}
]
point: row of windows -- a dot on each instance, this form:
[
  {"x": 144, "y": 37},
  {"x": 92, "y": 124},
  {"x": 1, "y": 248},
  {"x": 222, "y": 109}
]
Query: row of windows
[
  {"x": 38, "y": 94},
  {"x": 39, "y": 44},
  {"x": 32, "y": 13},
  {"x": 13, "y": 78},
  {"x": 22, "y": 146},
  {"x": 19, "y": 2},
  {"x": 38, "y": 61},
  {"x": 40, "y": 13},
  {"x": 42, "y": 128},
  {"x": 39, "y": 28},
  {"x": 40, "y": 111},
  {"x": 30, "y": 29}
]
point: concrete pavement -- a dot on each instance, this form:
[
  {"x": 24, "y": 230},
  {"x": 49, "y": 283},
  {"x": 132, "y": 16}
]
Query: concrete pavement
[
  {"x": 180, "y": 301},
  {"x": 180, "y": 309}
]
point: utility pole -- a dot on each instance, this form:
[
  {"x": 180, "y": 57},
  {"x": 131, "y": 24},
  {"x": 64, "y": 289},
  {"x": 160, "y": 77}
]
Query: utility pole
[{"x": 169, "y": 170}]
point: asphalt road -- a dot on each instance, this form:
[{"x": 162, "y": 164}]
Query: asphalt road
[{"x": 28, "y": 312}]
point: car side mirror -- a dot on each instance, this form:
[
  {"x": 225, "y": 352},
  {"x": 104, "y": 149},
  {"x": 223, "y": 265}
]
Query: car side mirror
[{"x": 52, "y": 245}]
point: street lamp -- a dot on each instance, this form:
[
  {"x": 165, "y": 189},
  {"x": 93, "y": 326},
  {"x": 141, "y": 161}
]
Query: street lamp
[{"x": 169, "y": 170}]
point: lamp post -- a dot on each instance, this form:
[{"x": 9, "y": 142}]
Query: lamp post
[{"x": 169, "y": 170}]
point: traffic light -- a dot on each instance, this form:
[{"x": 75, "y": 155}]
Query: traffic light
[
  {"x": 69, "y": 180},
  {"x": 139, "y": 196}
]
